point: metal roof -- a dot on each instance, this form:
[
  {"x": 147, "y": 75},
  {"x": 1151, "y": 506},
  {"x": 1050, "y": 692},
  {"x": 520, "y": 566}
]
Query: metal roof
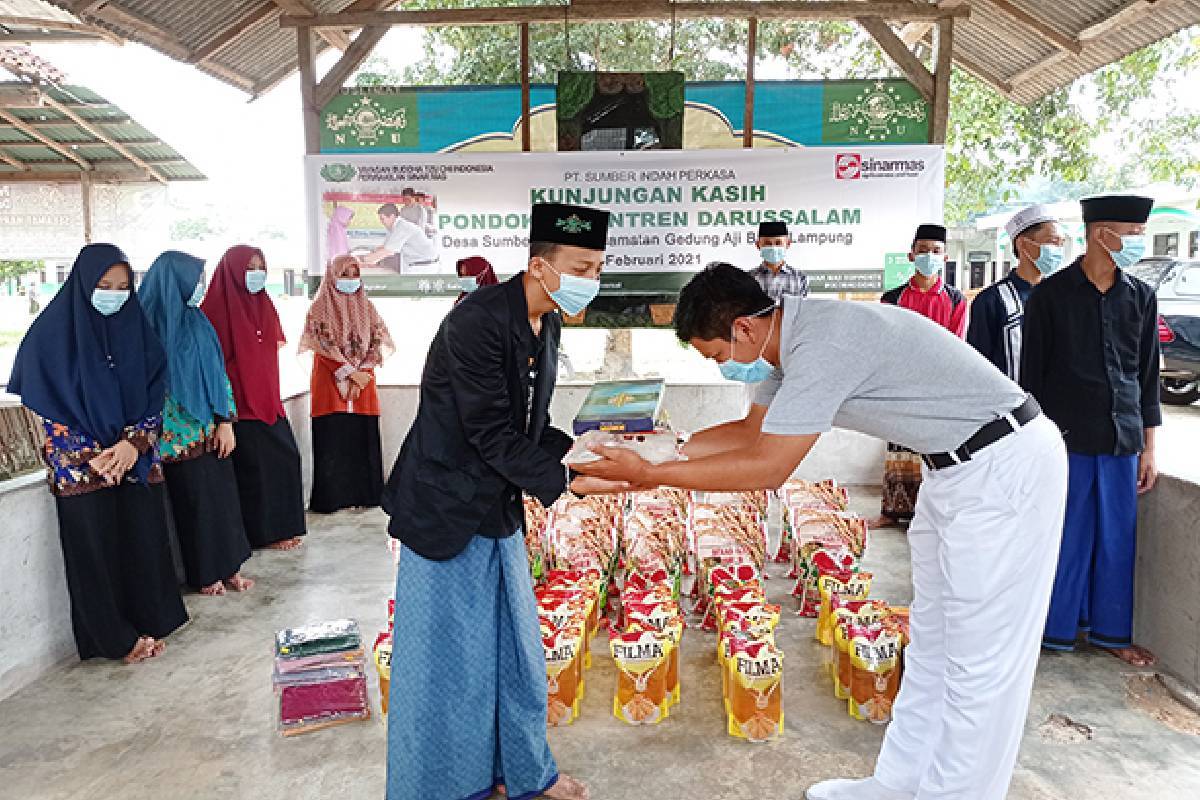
[
  {"x": 1025, "y": 48},
  {"x": 63, "y": 132}
]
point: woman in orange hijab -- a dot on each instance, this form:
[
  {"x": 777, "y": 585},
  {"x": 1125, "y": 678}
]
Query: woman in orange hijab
[{"x": 349, "y": 340}]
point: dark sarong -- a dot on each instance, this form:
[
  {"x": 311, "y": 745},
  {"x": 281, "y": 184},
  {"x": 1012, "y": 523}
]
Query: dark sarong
[
  {"x": 347, "y": 462},
  {"x": 120, "y": 575},
  {"x": 267, "y": 465},
  {"x": 208, "y": 518}
]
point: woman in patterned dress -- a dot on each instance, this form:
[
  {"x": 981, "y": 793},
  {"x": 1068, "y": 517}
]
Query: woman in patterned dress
[
  {"x": 349, "y": 340},
  {"x": 197, "y": 438},
  {"x": 94, "y": 371}
]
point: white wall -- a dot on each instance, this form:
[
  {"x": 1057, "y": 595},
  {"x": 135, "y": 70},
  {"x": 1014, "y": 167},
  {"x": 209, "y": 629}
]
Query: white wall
[{"x": 35, "y": 614}]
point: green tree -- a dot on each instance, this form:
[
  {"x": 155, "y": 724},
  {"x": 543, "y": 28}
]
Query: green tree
[
  {"x": 15, "y": 269},
  {"x": 1130, "y": 110}
]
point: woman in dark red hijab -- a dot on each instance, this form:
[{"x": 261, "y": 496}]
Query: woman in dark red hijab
[
  {"x": 473, "y": 272},
  {"x": 266, "y": 459}
]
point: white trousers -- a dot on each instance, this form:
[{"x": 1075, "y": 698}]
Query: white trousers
[{"x": 984, "y": 544}]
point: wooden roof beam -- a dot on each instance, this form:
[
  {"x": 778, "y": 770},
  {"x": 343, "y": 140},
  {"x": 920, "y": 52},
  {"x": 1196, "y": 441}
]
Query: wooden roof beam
[
  {"x": 1126, "y": 15},
  {"x": 40, "y": 25},
  {"x": 154, "y": 35},
  {"x": 303, "y": 8},
  {"x": 76, "y": 176},
  {"x": 916, "y": 72},
  {"x": 362, "y": 46},
  {"x": 914, "y": 32},
  {"x": 1118, "y": 19},
  {"x": 104, "y": 137},
  {"x": 33, "y": 133},
  {"x": 632, "y": 10},
  {"x": 1039, "y": 27},
  {"x": 13, "y": 161},
  {"x": 88, "y": 143}
]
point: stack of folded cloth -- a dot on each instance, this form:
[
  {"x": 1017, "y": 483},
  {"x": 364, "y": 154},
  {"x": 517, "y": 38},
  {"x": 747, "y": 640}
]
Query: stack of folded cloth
[{"x": 320, "y": 676}]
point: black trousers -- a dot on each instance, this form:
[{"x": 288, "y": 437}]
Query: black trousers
[
  {"x": 266, "y": 463},
  {"x": 347, "y": 462},
  {"x": 119, "y": 571},
  {"x": 208, "y": 518}
]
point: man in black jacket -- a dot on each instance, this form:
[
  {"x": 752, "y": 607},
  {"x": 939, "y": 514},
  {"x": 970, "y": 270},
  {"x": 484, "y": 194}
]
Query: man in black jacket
[{"x": 468, "y": 689}]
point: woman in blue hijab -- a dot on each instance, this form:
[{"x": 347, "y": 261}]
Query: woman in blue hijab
[
  {"x": 93, "y": 370},
  {"x": 197, "y": 437}
]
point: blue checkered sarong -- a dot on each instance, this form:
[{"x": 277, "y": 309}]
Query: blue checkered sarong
[{"x": 467, "y": 708}]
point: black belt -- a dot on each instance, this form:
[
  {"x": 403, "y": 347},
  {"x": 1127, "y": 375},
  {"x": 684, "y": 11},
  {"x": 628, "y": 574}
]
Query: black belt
[{"x": 988, "y": 435}]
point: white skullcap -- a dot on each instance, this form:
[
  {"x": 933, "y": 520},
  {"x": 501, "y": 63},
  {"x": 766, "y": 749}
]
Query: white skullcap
[{"x": 1026, "y": 218}]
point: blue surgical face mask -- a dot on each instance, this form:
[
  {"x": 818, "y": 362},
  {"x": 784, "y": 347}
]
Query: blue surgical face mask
[
  {"x": 1050, "y": 259},
  {"x": 256, "y": 280},
  {"x": 756, "y": 371},
  {"x": 1133, "y": 247},
  {"x": 469, "y": 283},
  {"x": 197, "y": 294},
  {"x": 929, "y": 264},
  {"x": 109, "y": 301},
  {"x": 773, "y": 254},
  {"x": 348, "y": 285},
  {"x": 573, "y": 293}
]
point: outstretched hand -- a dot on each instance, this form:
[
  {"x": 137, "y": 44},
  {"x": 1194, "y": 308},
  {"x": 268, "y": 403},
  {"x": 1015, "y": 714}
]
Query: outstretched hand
[
  {"x": 618, "y": 464},
  {"x": 588, "y": 485}
]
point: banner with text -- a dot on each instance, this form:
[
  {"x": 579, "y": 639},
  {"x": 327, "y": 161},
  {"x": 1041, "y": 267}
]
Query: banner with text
[{"x": 851, "y": 211}]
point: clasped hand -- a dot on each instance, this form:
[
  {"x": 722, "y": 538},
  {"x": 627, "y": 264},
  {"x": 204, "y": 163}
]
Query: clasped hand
[{"x": 113, "y": 464}]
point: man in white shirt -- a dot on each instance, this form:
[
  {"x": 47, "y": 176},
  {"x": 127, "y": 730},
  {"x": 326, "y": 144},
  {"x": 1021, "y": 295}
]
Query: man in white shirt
[{"x": 406, "y": 246}]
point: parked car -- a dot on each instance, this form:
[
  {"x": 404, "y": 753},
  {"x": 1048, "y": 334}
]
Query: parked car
[{"x": 1177, "y": 284}]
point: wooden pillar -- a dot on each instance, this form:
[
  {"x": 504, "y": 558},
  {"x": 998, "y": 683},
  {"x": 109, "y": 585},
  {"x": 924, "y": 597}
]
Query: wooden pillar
[
  {"x": 526, "y": 134},
  {"x": 85, "y": 192},
  {"x": 308, "y": 91},
  {"x": 751, "y": 57},
  {"x": 940, "y": 122}
]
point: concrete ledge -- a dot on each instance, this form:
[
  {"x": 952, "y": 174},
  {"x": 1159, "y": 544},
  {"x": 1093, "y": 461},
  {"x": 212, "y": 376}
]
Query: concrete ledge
[
  {"x": 1167, "y": 618},
  {"x": 35, "y": 613}
]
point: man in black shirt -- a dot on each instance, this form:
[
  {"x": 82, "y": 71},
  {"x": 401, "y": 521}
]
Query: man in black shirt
[
  {"x": 468, "y": 692},
  {"x": 1090, "y": 357},
  {"x": 998, "y": 313}
]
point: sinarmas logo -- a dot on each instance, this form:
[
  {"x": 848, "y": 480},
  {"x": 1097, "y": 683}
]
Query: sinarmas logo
[
  {"x": 853, "y": 167},
  {"x": 848, "y": 166}
]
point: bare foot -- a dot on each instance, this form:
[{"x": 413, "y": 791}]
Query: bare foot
[
  {"x": 141, "y": 651},
  {"x": 883, "y": 522},
  {"x": 159, "y": 647},
  {"x": 1135, "y": 656},
  {"x": 213, "y": 589},
  {"x": 286, "y": 544},
  {"x": 567, "y": 788},
  {"x": 239, "y": 583}
]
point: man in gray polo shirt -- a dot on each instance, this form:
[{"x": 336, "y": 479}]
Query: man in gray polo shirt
[{"x": 988, "y": 522}]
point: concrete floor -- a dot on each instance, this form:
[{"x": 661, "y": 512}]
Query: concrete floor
[{"x": 199, "y": 722}]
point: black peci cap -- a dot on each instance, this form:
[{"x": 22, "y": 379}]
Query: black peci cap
[
  {"x": 1117, "y": 208},
  {"x": 773, "y": 228},
  {"x": 577, "y": 226},
  {"x": 931, "y": 233}
]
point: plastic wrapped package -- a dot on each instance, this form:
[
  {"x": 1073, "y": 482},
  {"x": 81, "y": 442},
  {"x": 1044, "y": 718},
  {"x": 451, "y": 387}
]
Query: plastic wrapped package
[
  {"x": 336, "y": 636},
  {"x": 847, "y": 615},
  {"x": 848, "y": 585},
  {"x": 564, "y": 674},
  {"x": 657, "y": 447},
  {"x": 755, "y": 691},
  {"x": 323, "y": 698},
  {"x": 643, "y": 660},
  {"x": 875, "y": 657}
]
